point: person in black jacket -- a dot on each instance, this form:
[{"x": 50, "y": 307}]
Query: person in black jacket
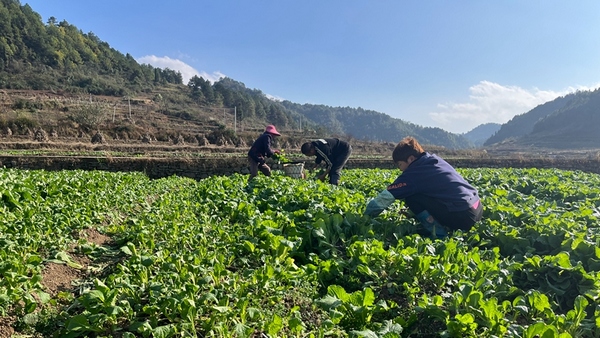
[
  {"x": 333, "y": 152},
  {"x": 441, "y": 199},
  {"x": 261, "y": 150}
]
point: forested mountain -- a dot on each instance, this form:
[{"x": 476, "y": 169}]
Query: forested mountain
[
  {"x": 482, "y": 133},
  {"x": 569, "y": 122},
  {"x": 573, "y": 126},
  {"x": 522, "y": 125},
  {"x": 58, "y": 57}
]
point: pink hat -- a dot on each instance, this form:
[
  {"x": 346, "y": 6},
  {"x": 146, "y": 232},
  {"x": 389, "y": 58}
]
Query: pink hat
[{"x": 271, "y": 130}]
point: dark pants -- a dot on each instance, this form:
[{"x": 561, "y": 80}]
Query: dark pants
[
  {"x": 256, "y": 166},
  {"x": 337, "y": 163},
  {"x": 453, "y": 220}
]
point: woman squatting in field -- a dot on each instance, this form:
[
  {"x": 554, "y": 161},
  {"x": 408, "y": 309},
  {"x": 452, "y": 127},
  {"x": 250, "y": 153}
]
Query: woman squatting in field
[{"x": 441, "y": 199}]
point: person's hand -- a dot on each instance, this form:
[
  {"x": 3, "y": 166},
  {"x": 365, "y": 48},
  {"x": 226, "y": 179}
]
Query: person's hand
[
  {"x": 406, "y": 213},
  {"x": 377, "y": 205},
  {"x": 373, "y": 209}
]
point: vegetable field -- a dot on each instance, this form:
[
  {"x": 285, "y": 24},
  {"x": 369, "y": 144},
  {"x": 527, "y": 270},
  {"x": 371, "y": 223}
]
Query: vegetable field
[{"x": 98, "y": 254}]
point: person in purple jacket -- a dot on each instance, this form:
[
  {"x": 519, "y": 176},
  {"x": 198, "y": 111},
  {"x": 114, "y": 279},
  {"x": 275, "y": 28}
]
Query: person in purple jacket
[
  {"x": 441, "y": 199},
  {"x": 261, "y": 150}
]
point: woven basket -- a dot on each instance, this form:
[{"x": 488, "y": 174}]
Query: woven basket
[{"x": 293, "y": 169}]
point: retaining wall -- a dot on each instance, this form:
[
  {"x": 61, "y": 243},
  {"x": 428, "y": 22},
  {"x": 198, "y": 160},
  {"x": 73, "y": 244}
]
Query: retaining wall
[{"x": 202, "y": 168}]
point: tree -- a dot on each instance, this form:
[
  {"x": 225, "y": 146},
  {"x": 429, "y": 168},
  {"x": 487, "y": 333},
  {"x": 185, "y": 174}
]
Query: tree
[
  {"x": 195, "y": 86},
  {"x": 277, "y": 116},
  {"x": 88, "y": 115},
  {"x": 208, "y": 92}
]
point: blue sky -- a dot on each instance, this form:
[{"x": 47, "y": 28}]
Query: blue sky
[{"x": 448, "y": 64}]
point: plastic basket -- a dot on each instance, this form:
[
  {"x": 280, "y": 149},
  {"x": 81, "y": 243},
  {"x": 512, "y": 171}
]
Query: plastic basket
[{"x": 293, "y": 169}]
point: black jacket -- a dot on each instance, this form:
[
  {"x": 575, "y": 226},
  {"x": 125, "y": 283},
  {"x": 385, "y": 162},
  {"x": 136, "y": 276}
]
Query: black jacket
[
  {"x": 329, "y": 150},
  {"x": 261, "y": 148}
]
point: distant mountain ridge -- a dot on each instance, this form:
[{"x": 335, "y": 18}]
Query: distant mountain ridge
[
  {"x": 568, "y": 122},
  {"x": 481, "y": 133},
  {"x": 373, "y": 125}
]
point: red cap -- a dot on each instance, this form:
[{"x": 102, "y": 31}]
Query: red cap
[{"x": 271, "y": 130}]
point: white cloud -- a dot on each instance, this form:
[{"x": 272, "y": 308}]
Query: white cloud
[
  {"x": 187, "y": 71},
  {"x": 274, "y": 98},
  {"x": 492, "y": 102}
]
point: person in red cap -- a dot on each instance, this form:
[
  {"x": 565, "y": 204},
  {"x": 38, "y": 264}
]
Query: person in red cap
[{"x": 261, "y": 150}]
